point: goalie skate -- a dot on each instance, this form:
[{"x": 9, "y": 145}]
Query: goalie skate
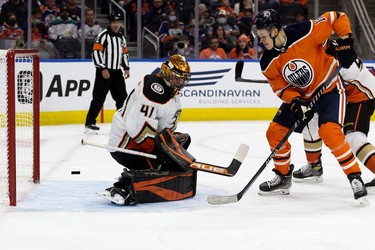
[
  {"x": 312, "y": 172},
  {"x": 116, "y": 199}
]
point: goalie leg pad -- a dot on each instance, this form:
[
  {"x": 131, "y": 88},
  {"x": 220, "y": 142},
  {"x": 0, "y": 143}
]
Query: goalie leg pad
[
  {"x": 172, "y": 151},
  {"x": 160, "y": 186}
]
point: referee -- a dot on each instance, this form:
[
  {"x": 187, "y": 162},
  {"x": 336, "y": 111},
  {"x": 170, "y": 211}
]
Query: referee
[{"x": 109, "y": 54}]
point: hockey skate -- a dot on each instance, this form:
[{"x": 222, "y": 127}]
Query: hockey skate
[
  {"x": 119, "y": 196},
  {"x": 359, "y": 188},
  {"x": 91, "y": 129},
  {"x": 312, "y": 172},
  {"x": 280, "y": 184},
  {"x": 370, "y": 186}
]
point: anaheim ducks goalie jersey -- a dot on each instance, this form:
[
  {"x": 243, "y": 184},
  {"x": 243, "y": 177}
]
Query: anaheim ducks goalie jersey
[
  {"x": 302, "y": 66},
  {"x": 148, "y": 109}
]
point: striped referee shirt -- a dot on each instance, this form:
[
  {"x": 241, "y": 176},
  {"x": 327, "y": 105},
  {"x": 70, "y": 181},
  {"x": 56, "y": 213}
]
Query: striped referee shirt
[{"x": 110, "y": 51}]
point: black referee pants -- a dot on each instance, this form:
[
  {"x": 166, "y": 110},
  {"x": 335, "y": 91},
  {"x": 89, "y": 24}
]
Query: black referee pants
[{"x": 115, "y": 84}]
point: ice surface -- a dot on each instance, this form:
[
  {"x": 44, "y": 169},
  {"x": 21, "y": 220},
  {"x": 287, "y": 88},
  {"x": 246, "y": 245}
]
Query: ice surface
[{"x": 63, "y": 211}]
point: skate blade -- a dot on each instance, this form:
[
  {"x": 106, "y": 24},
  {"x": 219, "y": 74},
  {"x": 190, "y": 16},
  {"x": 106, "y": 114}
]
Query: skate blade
[
  {"x": 90, "y": 131},
  {"x": 363, "y": 201},
  {"x": 314, "y": 179},
  {"x": 283, "y": 191},
  {"x": 118, "y": 199}
]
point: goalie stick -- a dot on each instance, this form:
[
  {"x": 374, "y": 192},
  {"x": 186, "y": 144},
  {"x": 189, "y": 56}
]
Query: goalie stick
[
  {"x": 238, "y": 74},
  {"x": 225, "y": 199},
  {"x": 229, "y": 171}
]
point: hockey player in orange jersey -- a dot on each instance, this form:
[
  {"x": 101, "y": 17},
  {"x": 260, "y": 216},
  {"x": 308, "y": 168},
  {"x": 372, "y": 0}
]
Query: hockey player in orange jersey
[
  {"x": 360, "y": 88},
  {"x": 296, "y": 65}
]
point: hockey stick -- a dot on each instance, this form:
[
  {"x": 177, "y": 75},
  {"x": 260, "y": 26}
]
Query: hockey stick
[
  {"x": 230, "y": 171},
  {"x": 124, "y": 150},
  {"x": 238, "y": 74},
  {"x": 225, "y": 199}
]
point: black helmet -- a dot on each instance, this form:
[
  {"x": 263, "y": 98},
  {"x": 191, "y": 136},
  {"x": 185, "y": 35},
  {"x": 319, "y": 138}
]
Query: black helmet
[
  {"x": 267, "y": 18},
  {"x": 115, "y": 16}
]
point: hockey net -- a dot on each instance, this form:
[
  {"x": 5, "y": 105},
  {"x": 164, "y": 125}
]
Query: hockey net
[{"x": 19, "y": 122}]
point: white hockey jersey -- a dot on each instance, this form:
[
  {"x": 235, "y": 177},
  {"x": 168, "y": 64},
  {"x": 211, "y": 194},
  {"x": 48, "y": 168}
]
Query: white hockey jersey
[
  {"x": 360, "y": 82},
  {"x": 149, "y": 109}
]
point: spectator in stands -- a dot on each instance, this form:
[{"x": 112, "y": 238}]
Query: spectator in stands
[
  {"x": 73, "y": 9},
  {"x": 11, "y": 30},
  {"x": 213, "y": 51},
  {"x": 225, "y": 5},
  {"x": 205, "y": 18},
  {"x": 182, "y": 48},
  {"x": 225, "y": 41},
  {"x": 155, "y": 16},
  {"x": 268, "y": 4},
  {"x": 92, "y": 27},
  {"x": 242, "y": 49},
  {"x": 300, "y": 4},
  {"x": 230, "y": 30},
  {"x": 185, "y": 9},
  {"x": 60, "y": 4},
  {"x": 245, "y": 22},
  {"x": 241, "y": 6},
  {"x": 170, "y": 32},
  {"x": 189, "y": 32},
  {"x": 39, "y": 36},
  {"x": 91, "y": 31},
  {"x": 49, "y": 11},
  {"x": 300, "y": 16},
  {"x": 18, "y": 7},
  {"x": 63, "y": 31}
]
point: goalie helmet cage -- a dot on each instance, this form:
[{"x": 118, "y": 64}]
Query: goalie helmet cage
[{"x": 19, "y": 122}]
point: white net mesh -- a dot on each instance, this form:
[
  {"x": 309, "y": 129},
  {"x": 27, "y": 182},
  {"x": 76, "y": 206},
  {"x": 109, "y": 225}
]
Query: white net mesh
[
  {"x": 23, "y": 77},
  {"x": 3, "y": 128}
]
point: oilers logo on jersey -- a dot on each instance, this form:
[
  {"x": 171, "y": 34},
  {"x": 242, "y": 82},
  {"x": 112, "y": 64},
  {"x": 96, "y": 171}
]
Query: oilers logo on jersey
[{"x": 298, "y": 72}]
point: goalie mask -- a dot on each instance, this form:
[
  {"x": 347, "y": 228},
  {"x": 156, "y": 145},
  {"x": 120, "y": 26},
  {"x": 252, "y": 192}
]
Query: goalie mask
[{"x": 176, "y": 73}]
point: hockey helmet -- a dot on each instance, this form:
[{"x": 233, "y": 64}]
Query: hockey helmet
[
  {"x": 176, "y": 72},
  {"x": 114, "y": 17},
  {"x": 266, "y": 19}
]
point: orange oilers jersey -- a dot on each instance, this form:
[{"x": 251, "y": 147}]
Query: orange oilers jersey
[{"x": 302, "y": 66}]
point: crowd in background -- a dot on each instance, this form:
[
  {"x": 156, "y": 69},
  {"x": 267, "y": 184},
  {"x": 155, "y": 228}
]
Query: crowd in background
[
  {"x": 224, "y": 25},
  {"x": 55, "y": 26}
]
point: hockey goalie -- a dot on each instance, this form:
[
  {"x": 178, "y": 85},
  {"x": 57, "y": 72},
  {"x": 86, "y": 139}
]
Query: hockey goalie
[{"x": 147, "y": 123}]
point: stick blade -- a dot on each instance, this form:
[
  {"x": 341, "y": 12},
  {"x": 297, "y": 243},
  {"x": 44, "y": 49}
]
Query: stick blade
[
  {"x": 239, "y": 157},
  {"x": 241, "y": 153},
  {"x": 221, "y": 200},
  {"x": 238, "y": 69}
]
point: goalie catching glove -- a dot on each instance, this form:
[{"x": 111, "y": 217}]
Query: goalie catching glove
[
  {"x": 346, "y": 54},
  {"x": 301, "y": 111},
  {"x": 172, "y": 150}
]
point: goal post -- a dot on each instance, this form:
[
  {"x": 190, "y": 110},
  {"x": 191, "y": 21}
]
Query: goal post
[{"x": 19, "y": 122}]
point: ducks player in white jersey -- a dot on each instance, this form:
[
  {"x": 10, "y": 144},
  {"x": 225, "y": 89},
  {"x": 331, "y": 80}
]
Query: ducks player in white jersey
[
  {"x": 360, "y": 88},
  {"x": 153, "y": 106}
]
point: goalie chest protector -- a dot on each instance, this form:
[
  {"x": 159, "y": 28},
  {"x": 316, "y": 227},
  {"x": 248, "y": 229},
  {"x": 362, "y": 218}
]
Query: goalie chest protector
[{"x": 159, "y": 186}]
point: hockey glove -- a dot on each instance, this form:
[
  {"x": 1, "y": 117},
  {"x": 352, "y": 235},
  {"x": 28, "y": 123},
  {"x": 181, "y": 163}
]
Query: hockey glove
[
  {"x": 345, "y": 52},
  {"x": 301, "y": 111}
]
